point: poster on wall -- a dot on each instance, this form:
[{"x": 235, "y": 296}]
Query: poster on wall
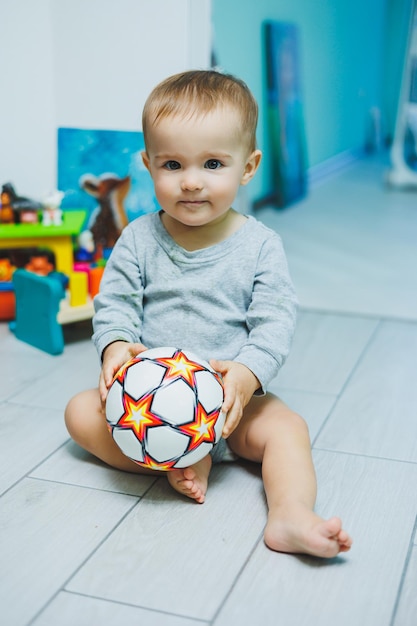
[
  {"x": 95, "y": 166},
  {"x": 285, "y": 113}
]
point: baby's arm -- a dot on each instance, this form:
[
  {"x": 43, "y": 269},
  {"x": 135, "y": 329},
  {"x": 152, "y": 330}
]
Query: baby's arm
[
  {"x": 239, "y": 386},
  {"x": 114, "y": 356}
]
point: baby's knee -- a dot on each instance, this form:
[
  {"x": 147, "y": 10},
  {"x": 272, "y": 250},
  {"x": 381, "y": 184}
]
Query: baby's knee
[
  {"x": 289, "y": 420},
  {"x": 299, "y": 424},
  {"x": 78, "y": 414},
  {"x": 278, "y": 408},
  {"x": 72, "y": 417}
]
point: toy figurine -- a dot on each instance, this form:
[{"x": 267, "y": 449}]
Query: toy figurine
[
  {"x": 109, "y": 219},
  {"x": 51, "y": 213},
  {"x": 40, "y": 264},
  {"x": 16, "y": 208},
  {"x": 6, "y": 209},
  {"x": 86, "y": 248},
  {"x": 6, "y": 270}
]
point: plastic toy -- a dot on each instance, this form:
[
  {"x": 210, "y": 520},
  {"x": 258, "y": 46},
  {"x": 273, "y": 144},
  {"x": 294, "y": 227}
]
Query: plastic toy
[
  {"x": 86, "y": 247},
  {"x": 40, "y": 264},
  {"x": 7, "y": 297},
  {"x": 37, "y": 306},
  {"x": 7, "y": 301},
  {"x": 42, "y": 307},
  {"x": 6, "y": 270},
  {"x": 94, "y": 279},
  {"x": 164, "y": 409},
  {"x": 6, "y": 209},
  {"x": 24, "y": 210},
  {"x": 51, "y": 212},
  {"x": 78, "y": 287}
]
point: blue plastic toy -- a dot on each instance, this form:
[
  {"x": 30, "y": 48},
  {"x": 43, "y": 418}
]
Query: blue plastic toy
[{"x": 37, "y": 304}]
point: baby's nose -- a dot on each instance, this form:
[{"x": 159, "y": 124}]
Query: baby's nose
[{"x": 191, "y": 181}]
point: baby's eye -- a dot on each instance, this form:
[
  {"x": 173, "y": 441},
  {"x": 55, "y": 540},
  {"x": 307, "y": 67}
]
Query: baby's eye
[
  {"x": 172, "y": 165},
  {"x": 213, "y": 164}
]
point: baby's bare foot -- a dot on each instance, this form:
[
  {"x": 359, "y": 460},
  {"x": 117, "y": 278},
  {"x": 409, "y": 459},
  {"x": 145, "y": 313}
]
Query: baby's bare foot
[
  {"x": 192, "y": 481},
  {"x": 299, "y": 530}
]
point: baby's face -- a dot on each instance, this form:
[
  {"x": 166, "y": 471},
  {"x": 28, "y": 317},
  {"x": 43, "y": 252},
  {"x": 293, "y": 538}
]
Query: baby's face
[{"x": 197, "y": 165}]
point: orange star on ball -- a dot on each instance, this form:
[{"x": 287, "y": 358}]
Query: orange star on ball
[{"x": 180, "y": 366}]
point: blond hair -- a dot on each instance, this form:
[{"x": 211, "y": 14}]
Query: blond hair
[{"x": 199, "y": 92}]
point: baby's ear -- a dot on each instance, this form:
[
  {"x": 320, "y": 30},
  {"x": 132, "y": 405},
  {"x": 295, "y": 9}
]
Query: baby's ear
[
  {"x": 145, "y": 159},
  {"x": 251, "y": 166}
]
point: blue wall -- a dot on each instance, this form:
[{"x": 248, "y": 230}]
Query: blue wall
[{"x": 351, "y": 57}]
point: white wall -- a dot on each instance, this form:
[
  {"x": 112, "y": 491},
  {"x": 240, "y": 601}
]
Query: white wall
[{"x": 85, "y": 64}]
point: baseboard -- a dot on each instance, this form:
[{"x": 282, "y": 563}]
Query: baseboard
[{"x": 320, "y": 173}]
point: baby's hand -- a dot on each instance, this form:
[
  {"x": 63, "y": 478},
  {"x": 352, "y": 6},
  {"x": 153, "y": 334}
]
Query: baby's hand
[
  {"x": 239, "y": 386},
  {"x": 115, "y": 355}
]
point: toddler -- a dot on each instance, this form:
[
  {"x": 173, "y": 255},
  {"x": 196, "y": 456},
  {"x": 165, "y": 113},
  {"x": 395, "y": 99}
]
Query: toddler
[{"x": 201, "y": 276}]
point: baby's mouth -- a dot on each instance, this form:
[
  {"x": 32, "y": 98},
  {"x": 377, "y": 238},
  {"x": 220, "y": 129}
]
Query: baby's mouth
[{"x": 193, "y": 203}]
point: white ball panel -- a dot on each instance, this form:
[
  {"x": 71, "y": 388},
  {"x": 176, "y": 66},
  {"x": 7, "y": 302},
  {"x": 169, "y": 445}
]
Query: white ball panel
[
  {"x": 164, "y": 443},
  {"x": 175, "y": 402},
  {"x": 142, "y": 377},
  {"x": 210, "y": 392},
  {"x": 156, "y": 353},
  {"x": 194, "y": 456},
  {"x": 218, "y": 428},
  {"x": 128, "y": 443},
  {"x": 114, "y": 403}
]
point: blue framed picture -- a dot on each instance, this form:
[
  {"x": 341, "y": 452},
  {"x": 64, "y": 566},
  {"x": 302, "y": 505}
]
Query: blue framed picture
[
  {"x": 103, "y": 155},
  {"x": 285, "y": 113}
]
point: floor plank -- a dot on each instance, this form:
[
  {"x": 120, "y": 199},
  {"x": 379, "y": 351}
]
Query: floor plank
[
  {"x": 69, "y": 609},
  {"x": 407, "y": 609},
  {"x": 183, "y": 557},
  {"x": 379, "y": 403},
  {"x": 351, "y": 244},
  {"x": 358, "y": 588},
  {"x": 324, "y": 351},
  {"x": 46, "y": 531},
  {"x": 72, "y": 465},
  {"x": 27, "y": 436},
  {"x": 23, "y": 370},
  {"x": 78, "y": 374}
]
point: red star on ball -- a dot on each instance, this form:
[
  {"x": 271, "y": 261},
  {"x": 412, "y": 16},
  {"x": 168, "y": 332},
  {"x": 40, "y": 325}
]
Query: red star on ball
[
  {"x": 180, "y": 366},
  {"x": 150, "y": 463},
  {"x": 201, "y": 428},
  {"x": 138, "y": 415}
]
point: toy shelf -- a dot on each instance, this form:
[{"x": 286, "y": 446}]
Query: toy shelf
[{"x": 57, "y": 238}]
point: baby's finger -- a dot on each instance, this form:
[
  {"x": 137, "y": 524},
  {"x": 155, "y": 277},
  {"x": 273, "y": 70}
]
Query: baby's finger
[
  {"x": 107, "y": 375},
  {"x": 217, "y": 365},
  {"x": 232, "y": 420},
  {"x": 137, "y": 348},
  {"x": 228, "y": 400},
  {"x": 102, "y": 387}
]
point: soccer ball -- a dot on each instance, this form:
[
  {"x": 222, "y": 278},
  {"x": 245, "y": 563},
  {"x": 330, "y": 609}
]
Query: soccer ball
[{"x": 163, "y": 408}]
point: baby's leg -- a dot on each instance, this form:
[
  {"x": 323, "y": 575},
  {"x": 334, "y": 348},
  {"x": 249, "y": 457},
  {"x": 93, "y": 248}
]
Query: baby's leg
[
  {"x": 270, "y": 433},
  {"x": 86, "y": 423}
]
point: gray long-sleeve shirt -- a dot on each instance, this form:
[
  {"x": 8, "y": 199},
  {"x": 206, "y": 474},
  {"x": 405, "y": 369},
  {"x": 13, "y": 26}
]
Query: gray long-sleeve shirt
[{"x": 233, "y": 300}]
